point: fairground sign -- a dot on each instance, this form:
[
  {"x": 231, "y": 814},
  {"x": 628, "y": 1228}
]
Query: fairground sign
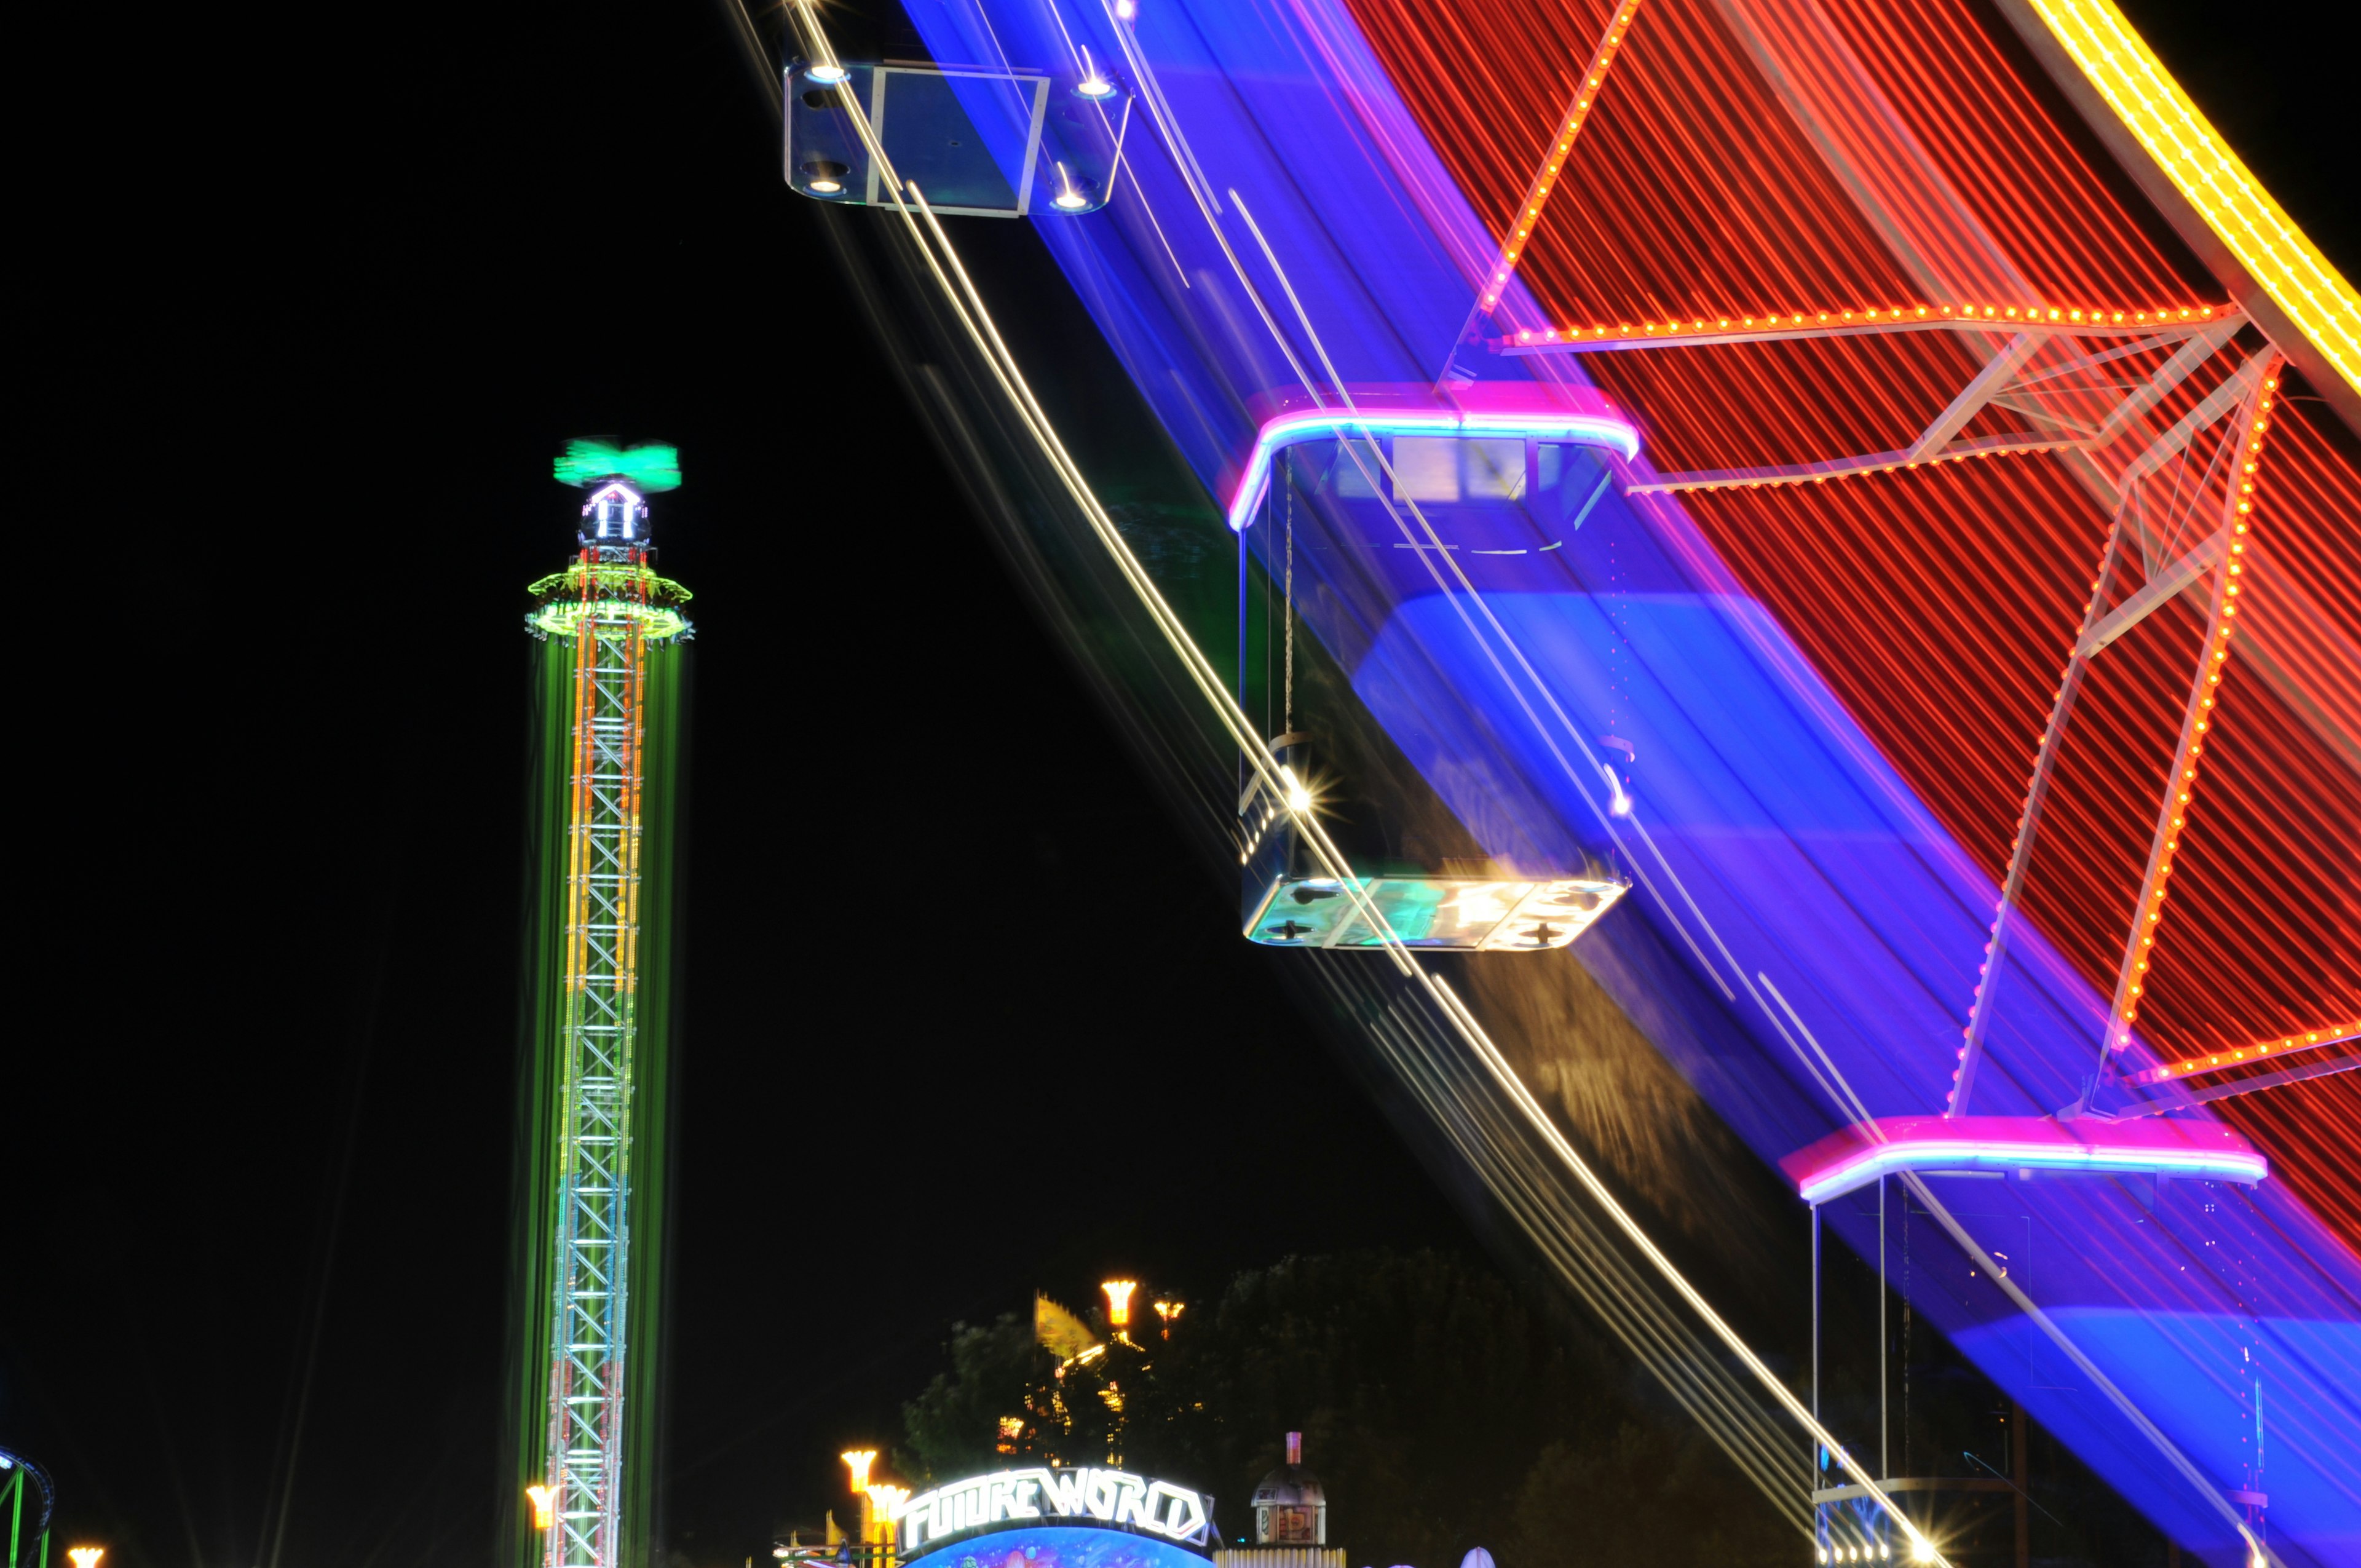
[{"x": 1107, "y": 1497}]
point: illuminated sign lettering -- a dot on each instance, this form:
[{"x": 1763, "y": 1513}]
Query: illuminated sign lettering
[{"x": 1110, "y": 1496}]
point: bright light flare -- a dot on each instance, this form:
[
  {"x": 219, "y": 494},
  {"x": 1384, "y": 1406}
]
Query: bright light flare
[
  {"x": 1118, "y": 1295},
  {"x": 1921, "y": 1548},
  {"x": 1619, "y": 803},
  {"x": 889, "y": 1500},
  {"x": 858, "y": 1461},
  {"x": 827, "y": 75},
  {"x": 545, "y": 1505},
  {"x": 85, "y": 1556}
]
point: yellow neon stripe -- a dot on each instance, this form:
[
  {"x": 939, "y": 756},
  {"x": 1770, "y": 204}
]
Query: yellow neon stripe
[{"x": 2232, "y": 203}]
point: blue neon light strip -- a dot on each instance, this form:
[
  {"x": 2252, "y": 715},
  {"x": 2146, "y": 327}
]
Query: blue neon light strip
[{"x": 1588, "y": 430}]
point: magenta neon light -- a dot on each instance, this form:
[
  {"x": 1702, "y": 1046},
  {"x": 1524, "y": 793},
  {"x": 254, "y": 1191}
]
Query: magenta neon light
[
  {"x": 2150, "y": 1147},
  {"x": 1287, "y": 429}
]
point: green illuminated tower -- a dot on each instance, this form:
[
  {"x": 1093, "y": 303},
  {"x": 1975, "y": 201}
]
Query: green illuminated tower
[{"x": 608, "y": 734}]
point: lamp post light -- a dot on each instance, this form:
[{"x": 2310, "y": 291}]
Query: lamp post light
[{"x": 881, "y": 1508}]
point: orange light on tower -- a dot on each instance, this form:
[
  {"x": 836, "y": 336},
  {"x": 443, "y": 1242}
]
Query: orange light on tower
[
  {"x": 1168, "y": 1309},
  {"x": 1118, "y": 1295},
  {"x": 85, "y": 1556},
  {"x": 545, "y": 1505},
  {"x": 858, "y": 1461}
]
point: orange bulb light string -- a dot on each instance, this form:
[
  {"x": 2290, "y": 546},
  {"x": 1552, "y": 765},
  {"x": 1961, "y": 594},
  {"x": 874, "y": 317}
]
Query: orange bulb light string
[
  {"x": 2260, "y": 1050},
  {"x": 1553, "y": 159},
  {"x": 2197, "y": 718},
  {"x": 1868, "y": 321}
]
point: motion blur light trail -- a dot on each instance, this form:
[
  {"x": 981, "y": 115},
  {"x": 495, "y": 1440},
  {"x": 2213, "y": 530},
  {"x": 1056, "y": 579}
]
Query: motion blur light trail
[
  {"x": 1882, "y": 670},
  {"x": 1646, "y": 1324}
]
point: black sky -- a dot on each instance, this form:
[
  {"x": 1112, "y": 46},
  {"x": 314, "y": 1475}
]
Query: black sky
[{"x": 309, "y": 301}]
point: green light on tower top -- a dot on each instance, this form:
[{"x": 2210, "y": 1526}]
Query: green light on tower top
[
  {"x": 610, "y": 589},
  {"x": 646, "y": 469}
]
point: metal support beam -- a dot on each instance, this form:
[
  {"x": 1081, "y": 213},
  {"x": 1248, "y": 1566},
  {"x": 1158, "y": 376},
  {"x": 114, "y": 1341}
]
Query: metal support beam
[
  {"x": 2087, "y": 643},
  {"x": 2147, "y": 914},
  {"x": 1999, "y": 376},
  {"x": 1846, "y": 468},
  {"x": 2184, "y": 362},
  {"x": 1554, "y": 158},
  {"x": 2209, "y": 324},
  {"x": 2160, "y": 590},
  {"x": 1997, "y": 373},
  {"x": 2175, "y": 440},
  {"x": 2235, "y": 1087}
]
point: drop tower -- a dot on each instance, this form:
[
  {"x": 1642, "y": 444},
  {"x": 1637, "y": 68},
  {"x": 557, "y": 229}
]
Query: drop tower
[{"x": 609, "y": 698}]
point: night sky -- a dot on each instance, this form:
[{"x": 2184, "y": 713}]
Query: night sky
[{"x": 314, "y": 299}]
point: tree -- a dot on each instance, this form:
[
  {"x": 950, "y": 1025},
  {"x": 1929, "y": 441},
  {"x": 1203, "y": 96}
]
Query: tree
[{"x": 1440, "y": 1412}]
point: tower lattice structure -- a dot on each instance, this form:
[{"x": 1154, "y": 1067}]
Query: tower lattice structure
[{"x": 610, "y": 628}]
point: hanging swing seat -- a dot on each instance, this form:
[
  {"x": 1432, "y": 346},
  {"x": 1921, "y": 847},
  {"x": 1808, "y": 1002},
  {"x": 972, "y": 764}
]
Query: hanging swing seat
[{"x": 1456, "y": 914}]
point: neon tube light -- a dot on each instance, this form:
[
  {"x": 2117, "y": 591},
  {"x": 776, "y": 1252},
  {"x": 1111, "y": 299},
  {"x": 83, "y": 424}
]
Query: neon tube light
[
  {"x": 1588, "y": 430},
  {"x": 1856, "y": 1157}
]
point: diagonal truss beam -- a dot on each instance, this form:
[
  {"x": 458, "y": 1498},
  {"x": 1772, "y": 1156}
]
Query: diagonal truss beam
[
  {"x": 2158, "y": 591},
  {"x": 1990, "y": 387},
  {"x": 2148, "y": 915},
  {"x": 1997, "y": 373},
  {"x": 2254, "y": 1055},
  {"x": 1848, "y": 467},
  {"x": 2211, "y": 325},
  {"x": 2248, "y": 380},
  {"x": 2202, "y": 346},
  {"x": 1553, "y": 156},
  {"x": 2280, "y": 1078}
]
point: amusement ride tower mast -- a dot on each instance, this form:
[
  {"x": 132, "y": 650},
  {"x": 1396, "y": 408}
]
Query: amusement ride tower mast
[{"x": 595, "y": 1110}]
